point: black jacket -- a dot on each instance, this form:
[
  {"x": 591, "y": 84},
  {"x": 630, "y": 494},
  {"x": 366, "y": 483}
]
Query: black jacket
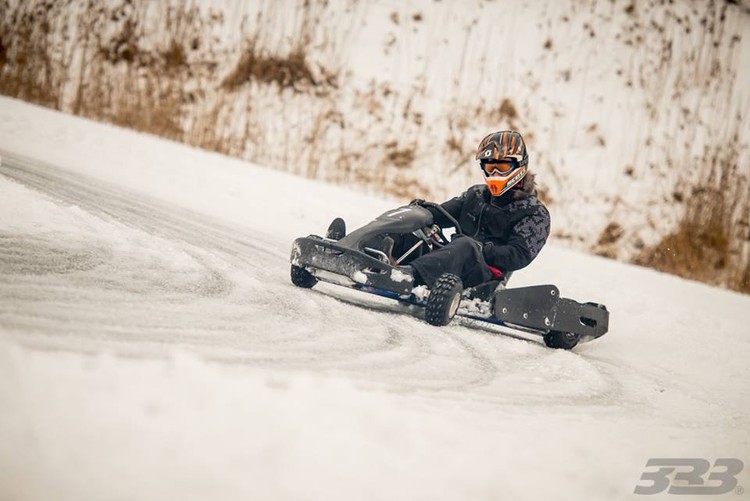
[{"x": 513, "y": 228}]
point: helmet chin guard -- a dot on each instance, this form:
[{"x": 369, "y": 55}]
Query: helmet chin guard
[{"x": 499, "y": 184}]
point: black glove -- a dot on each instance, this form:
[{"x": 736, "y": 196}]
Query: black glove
[{"x": 487, "y": 250}]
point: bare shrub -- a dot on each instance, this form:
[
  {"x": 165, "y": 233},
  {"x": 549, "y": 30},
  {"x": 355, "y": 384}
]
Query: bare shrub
[
  {"x": 400, "y": 156},
  {"x": 507, "y": 110},
  {"x": 707, "y": 243},
  {"x": 608, "y": 239},
  {"x": 287, "y": 65},
  {"x": 454, "y": 145},
  {"x": 3, "y": 53},
  {"x": 174, "y": 56},
  {"x": 291, "y": 71},
  {"x": 698, "y": 248}
]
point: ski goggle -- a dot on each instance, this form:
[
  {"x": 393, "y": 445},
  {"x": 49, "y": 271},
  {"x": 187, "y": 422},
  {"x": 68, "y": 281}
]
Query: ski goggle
[{"x": 502, "y": 167}]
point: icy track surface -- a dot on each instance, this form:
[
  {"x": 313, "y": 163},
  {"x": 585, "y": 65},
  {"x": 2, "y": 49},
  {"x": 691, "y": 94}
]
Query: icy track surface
[{"x": 152, "y": 347}]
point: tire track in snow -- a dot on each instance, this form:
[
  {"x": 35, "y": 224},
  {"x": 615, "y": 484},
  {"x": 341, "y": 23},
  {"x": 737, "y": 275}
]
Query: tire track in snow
[
  {"x": 173, "y": 223},
  {"x": 220, "y": 315}
]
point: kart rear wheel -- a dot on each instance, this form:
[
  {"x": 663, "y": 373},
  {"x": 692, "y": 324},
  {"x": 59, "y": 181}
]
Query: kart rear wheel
[
  {"x": 443, "y": 301},
  {"x": 561, "y": 340},
  {"x": 302, "y": 278}
]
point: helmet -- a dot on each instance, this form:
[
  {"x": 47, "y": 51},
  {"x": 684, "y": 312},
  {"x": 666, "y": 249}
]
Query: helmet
[{"x": 503, "y": 159}]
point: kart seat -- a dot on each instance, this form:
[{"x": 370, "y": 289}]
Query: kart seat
[{"x": 496, "y": 273}]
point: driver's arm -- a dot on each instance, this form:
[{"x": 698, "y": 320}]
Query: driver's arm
[
  {"x": 524, "y": 243},
  {"x": 452, "y": 207}
]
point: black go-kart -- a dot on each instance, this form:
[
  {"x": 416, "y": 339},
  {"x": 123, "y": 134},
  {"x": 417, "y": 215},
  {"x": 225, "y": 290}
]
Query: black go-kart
[{"x": 362, "y": 260}]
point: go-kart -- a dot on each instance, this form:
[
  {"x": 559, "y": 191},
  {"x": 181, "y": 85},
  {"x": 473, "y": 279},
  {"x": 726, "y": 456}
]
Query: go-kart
[{"x": 362, "y": 260}]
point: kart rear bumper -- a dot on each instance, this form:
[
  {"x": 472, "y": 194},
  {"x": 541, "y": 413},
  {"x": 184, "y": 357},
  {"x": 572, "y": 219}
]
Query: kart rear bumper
[{"x": 541, "y": 308}]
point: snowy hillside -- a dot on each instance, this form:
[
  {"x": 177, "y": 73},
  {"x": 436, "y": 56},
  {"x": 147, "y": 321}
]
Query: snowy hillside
[
  {"x": 636, "y": 113},
  {"x": 152, "y": 347}
]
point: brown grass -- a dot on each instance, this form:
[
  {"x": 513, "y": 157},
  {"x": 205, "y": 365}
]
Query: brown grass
[
  {"x": 508, "y": 110},
  {"x": 707, "y": 243},
  {"x": 608, "y": 242},
  {"x": 291, "y": 71},
  {"x": 27, "y": 68},
  {"x": 400, "y": 156},
  {"x": 133, "y": 79},
  {"x": 698, "y": 248}
]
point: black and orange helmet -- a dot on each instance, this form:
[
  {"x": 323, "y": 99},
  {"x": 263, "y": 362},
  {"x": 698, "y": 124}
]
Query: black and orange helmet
[{"x": 503, "y": 159}]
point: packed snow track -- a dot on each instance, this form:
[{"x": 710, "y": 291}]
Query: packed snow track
[{"x": 135, "y": 275}]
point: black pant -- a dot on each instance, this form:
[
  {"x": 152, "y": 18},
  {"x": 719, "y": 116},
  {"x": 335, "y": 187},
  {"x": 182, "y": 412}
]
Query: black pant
[{"x": 462, "y": 257}]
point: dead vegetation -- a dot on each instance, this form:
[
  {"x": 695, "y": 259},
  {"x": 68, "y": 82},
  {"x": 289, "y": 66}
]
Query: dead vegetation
[
  {"x": 608, "y": 243},
  {"x": 711, "y": 241},
  {"x": 400, "y": 156},
  {"x": 111, "y": 63},
  {"x": 291, "y": 71},
  {"x": 506, "y": 113},
  {"x": 28, "y": 69}
]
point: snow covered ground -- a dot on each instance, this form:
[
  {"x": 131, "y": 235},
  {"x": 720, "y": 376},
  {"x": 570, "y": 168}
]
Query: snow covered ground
[{"x": 152, "y": 347}]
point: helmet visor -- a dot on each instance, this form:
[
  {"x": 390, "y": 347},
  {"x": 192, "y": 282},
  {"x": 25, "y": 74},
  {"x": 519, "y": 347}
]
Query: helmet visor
[{"x": 498, "y": 167}]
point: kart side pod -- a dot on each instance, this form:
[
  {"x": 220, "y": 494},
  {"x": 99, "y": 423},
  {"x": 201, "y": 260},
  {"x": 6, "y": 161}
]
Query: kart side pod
[{"x": 541, "y": 308}]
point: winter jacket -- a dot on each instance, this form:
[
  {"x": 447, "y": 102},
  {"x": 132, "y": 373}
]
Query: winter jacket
[{"x": 513, "y": 228}]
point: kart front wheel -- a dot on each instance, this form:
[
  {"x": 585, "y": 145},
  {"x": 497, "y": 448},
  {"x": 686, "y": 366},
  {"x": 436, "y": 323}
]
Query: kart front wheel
[
  {"x": 443, "y": 301},
  {"x": 302, "y": 278},
  {"x": 561, "y": 340}
]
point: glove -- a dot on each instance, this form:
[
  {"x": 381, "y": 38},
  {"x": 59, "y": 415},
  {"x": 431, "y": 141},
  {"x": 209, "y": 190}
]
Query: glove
[
  {"x": 487, "y": 250},
  {"x": 417, "y": 201}
]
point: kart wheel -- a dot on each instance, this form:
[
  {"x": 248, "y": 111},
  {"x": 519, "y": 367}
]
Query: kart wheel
[
  {"x": 303, "y": 278},
  {"x": 442, "y": 303},
  {"x": 561, "y": 340}
]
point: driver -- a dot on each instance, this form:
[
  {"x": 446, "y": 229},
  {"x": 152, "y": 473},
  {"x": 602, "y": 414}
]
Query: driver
[{"x": 503, "y": 222}]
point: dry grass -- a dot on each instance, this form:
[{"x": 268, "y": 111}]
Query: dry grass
[
  {"x": 609, "y": 239},
  {"x": 137, "y": 75},
  {"x": 291, "y": 71},
  {"x": 707, "y": 244},
  {"x": 400, "y": 156},
  {"x": 504, "y": 116},
  {"x": 698, "y": 248},
  {"x": 28, "y": 69}
]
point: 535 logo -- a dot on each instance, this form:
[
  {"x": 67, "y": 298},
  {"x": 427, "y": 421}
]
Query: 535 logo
[{"x": 688, "y": 476}]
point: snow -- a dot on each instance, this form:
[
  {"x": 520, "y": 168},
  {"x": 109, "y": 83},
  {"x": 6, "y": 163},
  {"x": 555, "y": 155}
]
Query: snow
[
  {"x": 400, "y": 276},
  {"x": 152, "y": 347}
]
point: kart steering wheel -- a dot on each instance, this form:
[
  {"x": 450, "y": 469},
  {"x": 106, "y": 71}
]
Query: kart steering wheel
[{"x": 450, "y": 218}]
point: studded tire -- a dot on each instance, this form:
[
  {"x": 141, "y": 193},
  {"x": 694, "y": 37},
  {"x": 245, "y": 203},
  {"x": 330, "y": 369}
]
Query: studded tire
[
  {"x": 561, "y": 340},
  {"x": 302, "y": 278},
  {"x": 442, "y": 303}
]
